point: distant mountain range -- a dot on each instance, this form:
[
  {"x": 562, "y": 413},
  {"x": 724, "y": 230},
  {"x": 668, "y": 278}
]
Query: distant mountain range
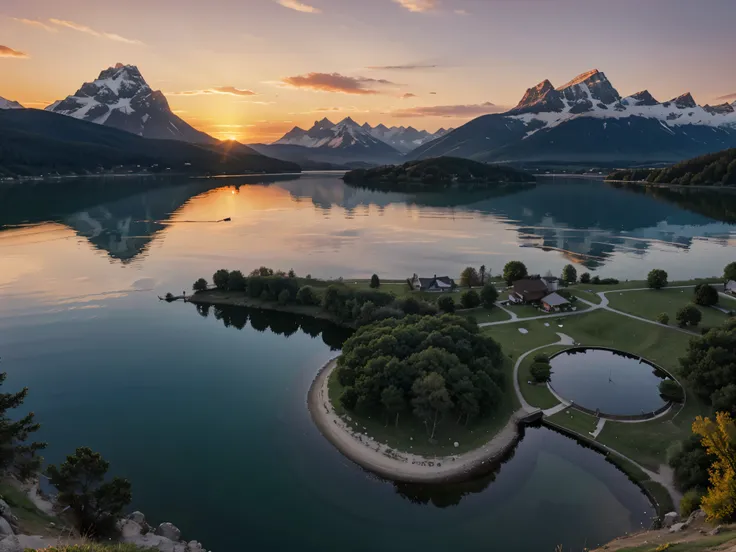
[
  {"x": 586, "y": 120},
  {"x": 8, "y": 104}
]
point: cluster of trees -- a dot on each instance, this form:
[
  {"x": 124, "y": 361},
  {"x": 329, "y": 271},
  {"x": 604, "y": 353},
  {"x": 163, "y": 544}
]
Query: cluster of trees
[
  {"x": 428, "y": 367},
  {"x": 472, "y": 277},
  {"x": 513, "y": 271},
  {"x": 541, "y": 369},
  {"x": 715, "y": 169},
  {"x": 470, "y": 299},
  {"x": 585, "y": 278}
]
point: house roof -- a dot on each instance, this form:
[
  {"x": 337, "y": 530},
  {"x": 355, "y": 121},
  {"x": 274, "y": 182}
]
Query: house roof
[
  {"x": 441, "y": 281},
  {"x": 555, "y": 300},
  {"x": 531, "y": 289}
]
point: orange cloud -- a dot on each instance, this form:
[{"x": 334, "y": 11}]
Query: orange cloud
[
  {"x": 6, "y": 51},
  {"x": 227, "y": 90},
  {"x": 406, "y": 67},
  {"x": 87, "y": 30},
  {"x": 418, "y": 6},
  {"x": 449, "y": 111},
  {"x": 38, "y": 24},
  {"x": 335, "y": 82},
  {"x": 298, "y": 6},
  {"x": 408, "y": 95}
]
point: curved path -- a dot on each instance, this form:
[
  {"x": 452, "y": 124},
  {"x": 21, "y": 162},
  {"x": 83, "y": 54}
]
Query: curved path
[{"x": 564, "y": 340}]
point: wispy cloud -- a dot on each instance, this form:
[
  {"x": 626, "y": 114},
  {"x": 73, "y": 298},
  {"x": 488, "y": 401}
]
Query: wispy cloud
[
  {"x": 37, "y": 24},
  {"x": 335, "y": 82},
  {"x": 405, "y": 67},
  {"x": 6, "y": 51},
  {"x": 418, "y": 6},
  {"x": 727, "y": 97},
  {"x": 90, "y": 31},
  {"x": 225, "y": 90},
  {"x": 408, "y": 95},
  {"x": 449, "y": 111},
  {"x": 299, "y": 6}
]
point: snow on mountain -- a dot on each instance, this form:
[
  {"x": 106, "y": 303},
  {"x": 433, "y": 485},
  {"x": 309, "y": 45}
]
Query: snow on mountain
[
  {"x": 347, "y": 134},
  {"x": 9, "y": 104},
  {"x": 121, "y": 98}
]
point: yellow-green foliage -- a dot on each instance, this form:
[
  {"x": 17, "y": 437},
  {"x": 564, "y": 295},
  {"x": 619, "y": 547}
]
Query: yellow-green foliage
[{"x": 719, "y": 439}]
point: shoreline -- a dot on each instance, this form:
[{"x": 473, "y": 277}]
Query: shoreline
[
  {"x": 644, "y": 183},
  {"x": 402, "y": 466}
]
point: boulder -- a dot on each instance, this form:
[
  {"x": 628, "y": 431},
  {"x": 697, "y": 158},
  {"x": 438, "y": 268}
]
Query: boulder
[
  {"x": 129, "y": 529},
  {"x": 696, "y": 515},
  {"x": 140, "y": 519},
  {"x": 10, "y": 544},
  {"x": 5, "y": 528},
  {"x": 5, "y": 510},
  {"x": 715, "y": 531},
  {"x": 670, "y": 519},
  {"x": 194, "y": 546},
  {"x": 678, "y": 527},
  {"x": 168, "y": 530}
]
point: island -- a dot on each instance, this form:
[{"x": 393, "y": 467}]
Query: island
[
  {"x": 439, "y": 173},
  {"x": 712, "y": 170}
]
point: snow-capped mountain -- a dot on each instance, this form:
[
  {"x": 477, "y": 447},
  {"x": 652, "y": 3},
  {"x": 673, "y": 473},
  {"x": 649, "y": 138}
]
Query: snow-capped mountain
[
  {"x": 9, "y": 104},
  {"x": 587, "y": 120},
  {"x": 348, "y": 134},
  {"x": 121, "y": 98}
]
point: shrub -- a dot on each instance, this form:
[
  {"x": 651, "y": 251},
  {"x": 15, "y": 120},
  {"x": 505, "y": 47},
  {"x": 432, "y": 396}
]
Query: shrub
[
  {"x": 671, "y": 391},
  {"x": 688, "y": 315},
  {"x": 596, "y": 280},
  {"x": 236, "y": 281},
  {"x": 541, "y": 357},
  {"x": 307, "y": 296},
  {"x": 220, "y": 278},
  {"x": 489, "y": 295},
  {"x": 284, "y": 297},
  {"x": 585, "y": 278},
  {"x": 705, "y": 295},
  {"x": 169, "y": 297},
  {"x": 375, "y": 282},
  {"x": 200, "y": 285},
  {"x": 729, "y": 272},
  {"x": 663, "y": 318},
  {"x": 608, "y": 281},
  {"x": 446, "y": 304},
  {"x": 541, "y": 372},
  {"x": 349, "y": 398},
  {"x": 470, "y": 299},
  {"x": 690, "y": 502},
  {"x": 657, "y": 278}
]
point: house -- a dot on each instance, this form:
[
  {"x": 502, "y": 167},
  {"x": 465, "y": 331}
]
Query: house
[
  {"x": 436, "y": 283},
  {"x": 529, "y": 290},
  {"x": 553, "y": 282},
  {"x": 554, "y": 302},
  {"x": 731, "y": 287}
]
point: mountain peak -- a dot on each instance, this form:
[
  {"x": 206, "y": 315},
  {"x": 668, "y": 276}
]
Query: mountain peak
[
  {"x": 348, "y": 121},
  {"x": 581, "y": 78},
  {"x": 720, "y": 109},
  {"x": 599, "y": 86},
  {"x": 643, "y": 98},
  {"x": 684, "y": 101},
  {"x": 541, "y": 97},
  {"x": 324, "y": 124},
  {"x": 9, "y": 104}
]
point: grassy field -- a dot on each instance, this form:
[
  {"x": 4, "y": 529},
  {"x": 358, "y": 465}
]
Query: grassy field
[
  {"x": 638, "y": 284},
  {"x": 575, "y": 420},
  {"x": 537, "y": 395},
  {"x": 650, "y": 303},
  {"x": 700, "y": 545},
  {"x": 482, "y": 315},
  {"x": 584, "y": 293},
  {"x": 411, "y": 434}
]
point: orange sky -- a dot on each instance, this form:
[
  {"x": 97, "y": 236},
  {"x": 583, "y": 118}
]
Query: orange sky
[{"x": 252, "y": 69}]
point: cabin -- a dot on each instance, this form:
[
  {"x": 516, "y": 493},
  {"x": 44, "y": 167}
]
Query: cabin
[
  {"x": 731, "y": 287},
  {"x": 554, "y": 302},
  {"x": 435, "y": 284},
  {"x": 529, "y": 290}
]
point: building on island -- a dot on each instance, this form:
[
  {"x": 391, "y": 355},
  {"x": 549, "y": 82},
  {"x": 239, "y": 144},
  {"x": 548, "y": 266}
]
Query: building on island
[
  {"x": 435, "y": 284},
  {"x": 554, "y": 302},
  {"x": 529, "y": 290}
]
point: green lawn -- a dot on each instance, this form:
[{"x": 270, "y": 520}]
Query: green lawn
[
  {"x": 482, "y": 315},
  {"x": 637, "y": 284},
  {"x": 411, "y": 434},
  {"x": 582, "y": 292},
  {"x": 650, "y": 303},
  {"x": 575, "y": 420},
  {"x": 537, "y": 395}
]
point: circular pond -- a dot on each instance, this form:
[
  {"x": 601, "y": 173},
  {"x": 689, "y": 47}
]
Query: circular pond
[{"x": 612, "y": 382}]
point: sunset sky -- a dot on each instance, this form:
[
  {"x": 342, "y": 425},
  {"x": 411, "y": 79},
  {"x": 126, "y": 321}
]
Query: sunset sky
[{"x": 252, "y": 69}]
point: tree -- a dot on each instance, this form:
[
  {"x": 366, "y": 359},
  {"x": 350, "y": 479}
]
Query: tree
[
  {"x": 724, "y": 399},
  {"x": 393, "y": 400},
  {"x": 446, "y": 304},
  {"x": 94, "y": 502},
  {"x": 585, "y": 278},
  {"x": 663, "y": 318},
  {"x": 291, "y": 273},
  {"x": 719, "y": 439},
  {"x": 283, "y": 297},
  {"x": 220, "y": 278},
  {"x": 705, "y": 295},
  {"x": 690, "y": 464},
  {"x": 657, "y": 278},
  {"x": 688, "y": 315},
  {"x": 470, "y": 299},
  {"x": 469, "y": 277},
  {"x": 307, "y": 296},
  {"x": 729, "y": 272},
  {"x": 690, "y": 502},
  {"x": 349, "y": 398},
  {"x": 482, "y": 273},
  {"x": 236, "y": 281},
  {"x": 541, "y": 372},
  {"x": 569, "y": 274},
  {"x": 15, "y": 451},
  {"x": 513, "y": 271},
  {"x": 200, "y": 285},
  {"x": 375, "y": 282},
  {"x": 489, "y": 295},
  {"x": 262, "y": 271},
  {"x": 671, "y": 391},
  {"x": 431, "y": 400},
  {"x": 710, "y": 362},
  {"x": 541, "y": 357}
]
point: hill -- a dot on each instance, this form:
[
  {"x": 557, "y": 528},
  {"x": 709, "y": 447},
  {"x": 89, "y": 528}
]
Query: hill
[
  {"x": 715, "y": 169},
  {"x": 34, "y": 142},
  {"x": 438, "y": 173}
]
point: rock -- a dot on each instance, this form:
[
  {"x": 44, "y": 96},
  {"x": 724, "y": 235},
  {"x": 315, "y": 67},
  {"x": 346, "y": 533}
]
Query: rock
[
  {"x": 10, "y": 544},
  {"x": 697, "y": 514},
  {"x": 194, "y": 546},
  {"x": 678, "y": 527},
  {"x": 670, "y": 519},
  {"x": 168, "y": 530},
  {"x": 140, "y": 519},
  {"x": 715, "y": 531},
  {"x": 129, "y": 529},
  {"x": 5, "y": 528},
  {"x": 5, "y": 510}
]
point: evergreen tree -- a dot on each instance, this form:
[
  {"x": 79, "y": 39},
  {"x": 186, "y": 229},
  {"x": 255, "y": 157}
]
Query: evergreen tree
[{"x": 375, "y": 281}]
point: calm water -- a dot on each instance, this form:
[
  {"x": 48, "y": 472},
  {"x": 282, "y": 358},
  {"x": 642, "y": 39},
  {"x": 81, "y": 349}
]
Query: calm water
[
  {"x": 207, "y": 415},
  {"x": 612, "y": 382}
]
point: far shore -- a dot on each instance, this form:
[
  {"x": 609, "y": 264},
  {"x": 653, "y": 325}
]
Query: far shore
[
  {"x": 402, "y": 466},
  {"x": 727, "y": 189}
]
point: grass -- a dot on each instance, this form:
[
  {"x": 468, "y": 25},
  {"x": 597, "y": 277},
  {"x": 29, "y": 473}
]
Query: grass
[
  {"x": 483, "y": 315},
  {"x": 650, "y": 303},
  {"x": 537, "y": 395},
  {"x": 411, "y": 434},
  {"x": 98, "y": 547},
  {"x": 575, "y": 420},
  {"x": 660, "y": 494},
  {"x": 699, "y": 545},
  {"x": 583, "y": 293},
  {"x": 30, "y": 518}
]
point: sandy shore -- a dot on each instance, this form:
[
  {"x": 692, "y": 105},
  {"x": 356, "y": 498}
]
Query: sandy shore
[{"x": 402, "y": 466}]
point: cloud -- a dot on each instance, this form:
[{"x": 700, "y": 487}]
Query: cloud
[
  {"x": 449, "y": 111},
  {"x": 433, "y": 93},
  {"x": 407, "y": 67},
  {"x": 408, "y": 95},
  {"x": 727, "y": 97},
  {"x": 225, "y": 90},
  {"x": 38, "y": 24},
  {"x": 298, "y": 6},
  {"x": 418, "y": 6},
  {"x": 335, "y": 82},
  {"x": 6, "y": 51},
  {"x": 100, "y": 34}
]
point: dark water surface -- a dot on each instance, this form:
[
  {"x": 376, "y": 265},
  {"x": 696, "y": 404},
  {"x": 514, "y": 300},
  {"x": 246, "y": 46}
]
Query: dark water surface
[{"x": 207, "y": 415}]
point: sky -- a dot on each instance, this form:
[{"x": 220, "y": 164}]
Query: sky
[{"x": 252, "y": 69}]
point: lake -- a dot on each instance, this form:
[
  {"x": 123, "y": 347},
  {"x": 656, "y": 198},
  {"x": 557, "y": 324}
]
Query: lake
[{"x": 207, "y": 414}]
